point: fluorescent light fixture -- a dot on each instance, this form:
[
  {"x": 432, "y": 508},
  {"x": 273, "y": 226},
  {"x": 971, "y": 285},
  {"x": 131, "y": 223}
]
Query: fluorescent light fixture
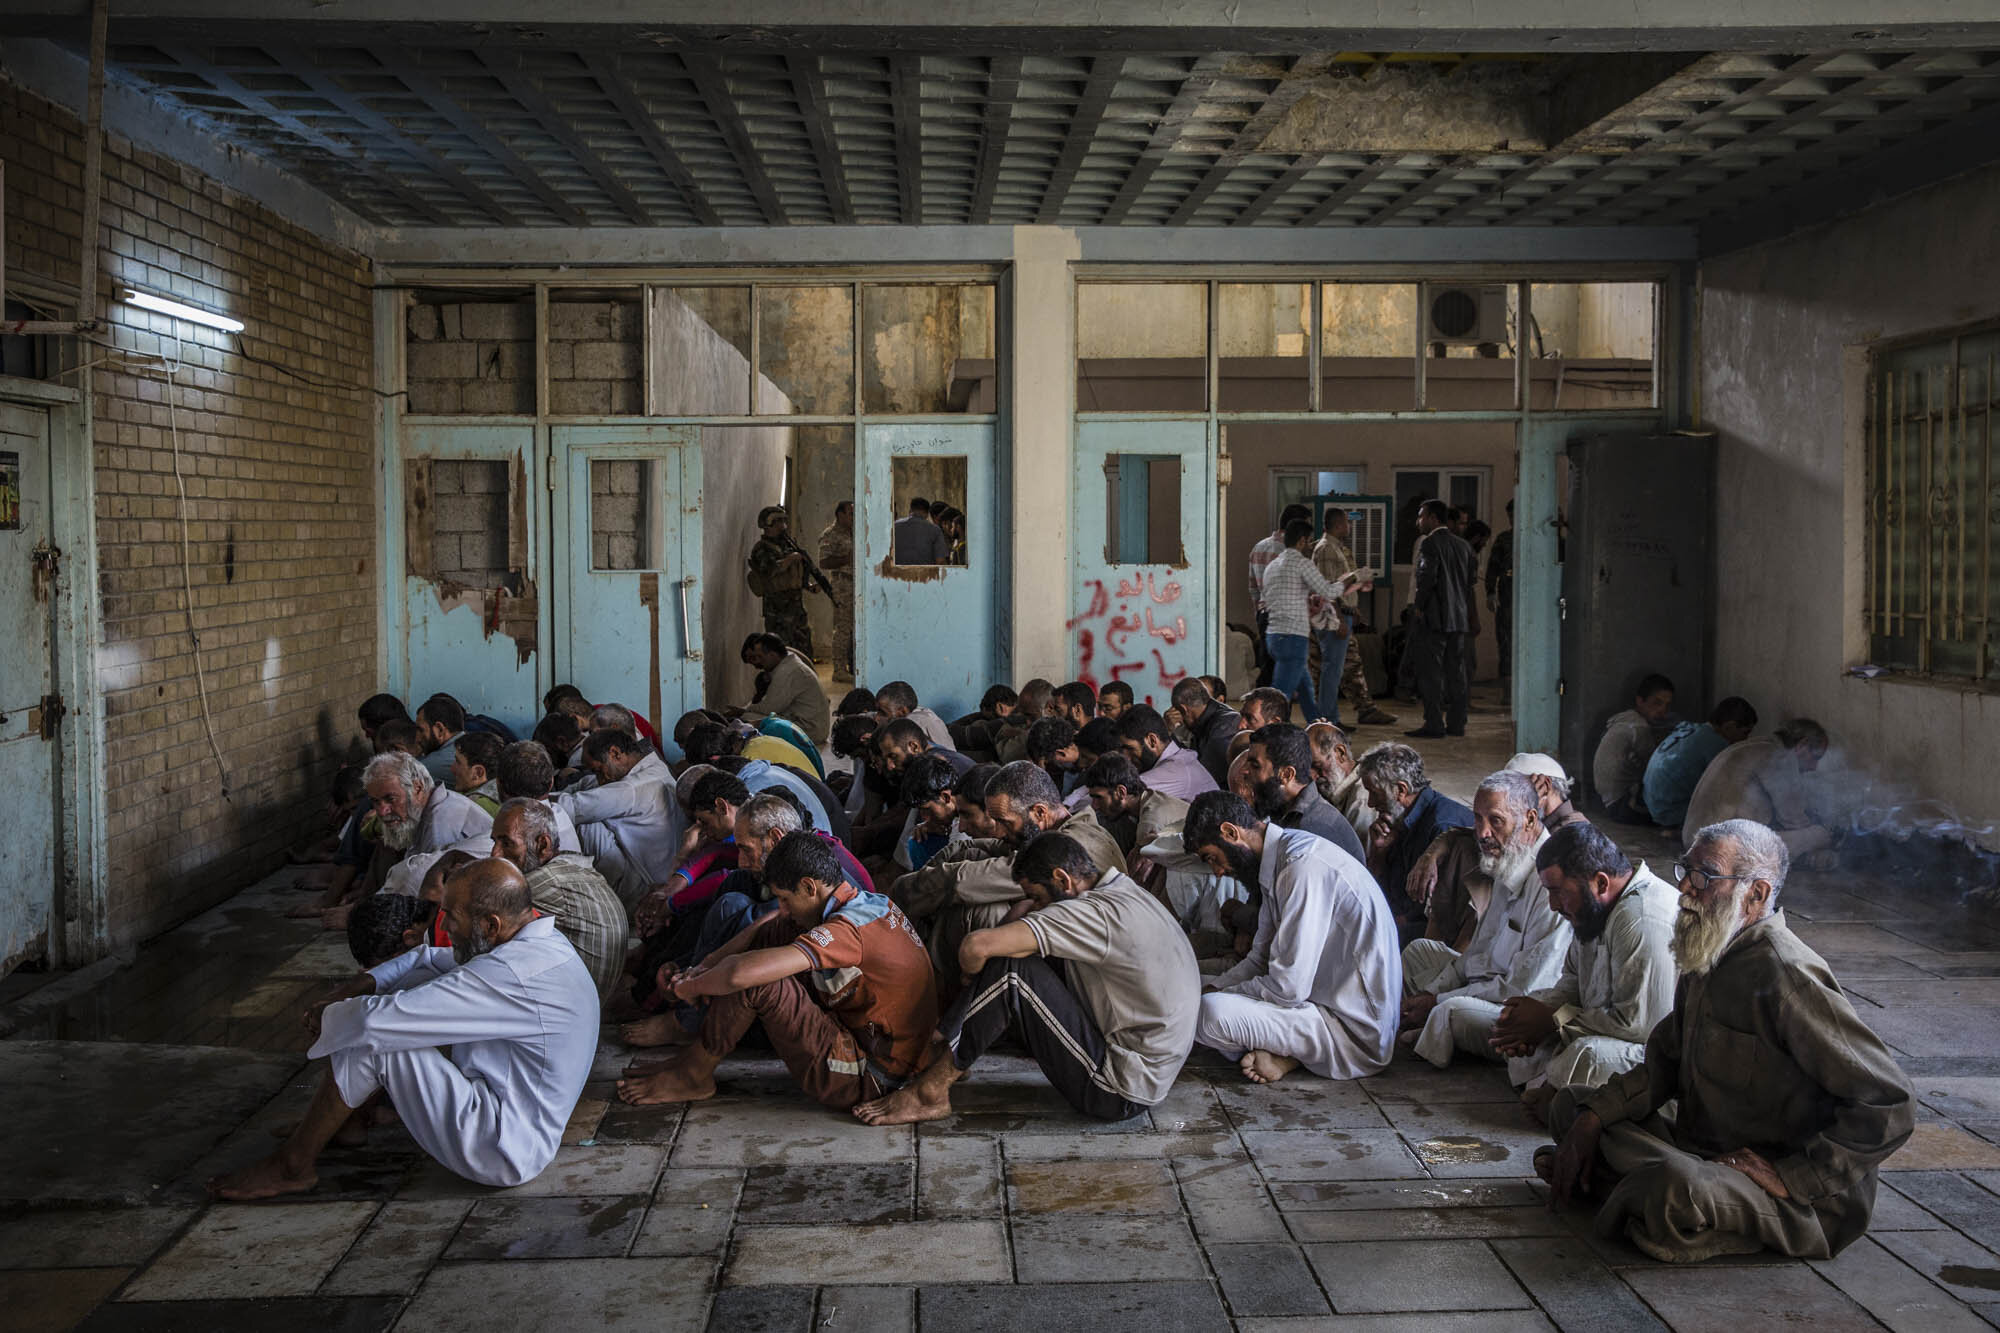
[{"x": 148, "y": 301}]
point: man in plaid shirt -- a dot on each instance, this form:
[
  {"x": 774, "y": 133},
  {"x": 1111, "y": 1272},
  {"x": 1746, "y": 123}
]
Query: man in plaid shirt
[
  {"x": 565, "y": 886},
  {"x": 1261, "y": 556}
]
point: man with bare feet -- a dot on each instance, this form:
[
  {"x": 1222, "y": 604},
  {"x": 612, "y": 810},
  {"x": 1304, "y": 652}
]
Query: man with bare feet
[
  {"x": 1323, "y": 981},
  {"x": 519, "y": 1012},
  {"x": 837, "y": 976},
  {"x": 1110, "y": 1023}
]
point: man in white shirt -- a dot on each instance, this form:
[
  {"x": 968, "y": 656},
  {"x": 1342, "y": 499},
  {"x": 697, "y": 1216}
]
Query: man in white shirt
[
  {"x": 1290, "y": 584},
  {"x": 1261, "y": 556},
  {"x": 1618, "y": 768},
  {"x": 1617, "y": 980},
  {"x": 512, "y": 1001},
  {"x": 1452, "y": 998},
  {"x": 1109, "y": 1031},
  {"x": 1322, "y": 983},
  {"x": 626, "y": 816}
]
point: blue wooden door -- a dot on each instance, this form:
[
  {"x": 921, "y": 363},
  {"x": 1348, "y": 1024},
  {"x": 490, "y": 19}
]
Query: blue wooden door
[
  {"x": 1143, "y": 555},
  {"x": 468, "y": 579},
  {"x": 628, "y": 610},
  {"x": 27, "y": 752},
  {"x": 932, "y": 625}
]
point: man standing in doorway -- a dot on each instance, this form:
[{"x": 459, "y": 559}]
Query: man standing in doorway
[
  {"x": 836, "y": 559},
  {"x": 1438, "y": 631},
  {"x": 917, "y": 540},
  {"x": 778, "y": 576}
]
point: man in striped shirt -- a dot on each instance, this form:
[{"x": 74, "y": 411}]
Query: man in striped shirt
[
  {"x": 1290, "y": 584},
  {"x": 1261, "y": 556}
]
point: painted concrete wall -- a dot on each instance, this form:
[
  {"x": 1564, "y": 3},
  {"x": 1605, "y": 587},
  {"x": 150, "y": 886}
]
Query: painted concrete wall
[
  {"x": 743, "y": 469},
  {"x": 1782, "y": 368}
]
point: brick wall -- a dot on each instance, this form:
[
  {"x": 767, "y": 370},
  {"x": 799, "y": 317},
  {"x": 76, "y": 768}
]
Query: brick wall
[
  {"x": 469, "y": 522},
  {"x": 477, "y": 358},
  {"x": 280, "y": 511}
]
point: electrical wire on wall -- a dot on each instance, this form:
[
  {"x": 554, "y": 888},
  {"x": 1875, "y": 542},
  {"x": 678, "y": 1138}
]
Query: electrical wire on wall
[{"x": 187, "y": 567}]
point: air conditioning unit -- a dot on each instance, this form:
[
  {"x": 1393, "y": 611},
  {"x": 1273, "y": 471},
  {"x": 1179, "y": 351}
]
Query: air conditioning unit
[{"x": 1461, "y": 315}]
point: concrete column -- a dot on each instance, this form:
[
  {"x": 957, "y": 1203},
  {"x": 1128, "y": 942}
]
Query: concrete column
[{"x": 1041, "y": 408}]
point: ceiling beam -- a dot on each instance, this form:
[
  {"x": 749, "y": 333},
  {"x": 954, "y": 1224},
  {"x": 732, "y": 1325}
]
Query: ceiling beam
[
  {"x": 1084, "y": 122},
  {"x": 1275, "y": 191},
  {"x": 444, "y": 105},
  {"x": 1003, "y": 87},
  {"x": 523, "y": 90},
  {"x": 300, "y": 64},
  {"x": 906, "y": 115},
  {"x": 1965, "y": 144},
  {"x": 1292, "y": 85},
  {"x": 713, "y": 86},
  {"x": 377, "y": 174},
  {"x": 1196, "y": 86},
  {"x": 603, "y": 68},
  {"x": 809, "y": 91},
  {"x": 1348, "y": 189}
]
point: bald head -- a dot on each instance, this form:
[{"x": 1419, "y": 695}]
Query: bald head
[{"x": 485, "y": 905}]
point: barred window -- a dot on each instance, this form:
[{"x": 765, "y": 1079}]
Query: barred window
[{"x": 1933, "y": 511}]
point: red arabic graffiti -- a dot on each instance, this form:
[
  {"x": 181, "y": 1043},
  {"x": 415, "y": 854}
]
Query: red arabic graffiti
[{"x": 1114, "y": 621}]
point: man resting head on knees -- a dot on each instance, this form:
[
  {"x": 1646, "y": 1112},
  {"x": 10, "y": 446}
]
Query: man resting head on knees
[
  {"x": 511, "y": 1001},
  {"x": 1322, "y": 980},
  {"x": 1786, "y": 1102},
  {"x": 835, "y": 974},
  {"x": 1110, "y": 1031}
]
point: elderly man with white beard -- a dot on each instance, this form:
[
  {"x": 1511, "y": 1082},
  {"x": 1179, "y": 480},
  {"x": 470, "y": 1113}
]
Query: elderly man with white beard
[
  {"x": 509, "y": 997},
  {"x": 418, "y": 814},
  {"x": 1786, "y": 1103},
  {"x": 1452, "y": 998}
]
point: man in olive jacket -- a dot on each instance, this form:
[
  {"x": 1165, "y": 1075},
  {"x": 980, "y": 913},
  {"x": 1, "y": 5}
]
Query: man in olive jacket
[{"x": 1788, "y": 1102}]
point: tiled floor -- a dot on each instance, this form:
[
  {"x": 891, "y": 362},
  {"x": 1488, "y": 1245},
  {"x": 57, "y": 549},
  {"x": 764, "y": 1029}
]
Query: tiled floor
[{"x": 1402, "y": 1202}]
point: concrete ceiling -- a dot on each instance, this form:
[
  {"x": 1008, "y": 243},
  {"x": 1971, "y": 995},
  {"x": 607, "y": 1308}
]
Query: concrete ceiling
[{"x": 435, "y": 126}]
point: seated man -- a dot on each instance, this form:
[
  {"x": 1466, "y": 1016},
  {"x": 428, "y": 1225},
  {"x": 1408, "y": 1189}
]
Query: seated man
[
  {"x": 1129, "y": 810},
  {"x": 712, "y": 740},
  {"x": 1618, "y": 771},
  {"x": 1109, "y": 1029},
  {"x": 1617, "y": 978},
  {"x": 763, "y": 775},
  {"x": 1113, "y": 700},
  {"x": 1210, "y": 725},
  {"x": 1763, "y": 780},
  {"x": 1787, "y": 1102},
  {"x": 837, "y": 978},
  {"x": 1339, "y": 777},
  {"x": 525, "y": 770},
  {"x": 1409, "y": 814},
  {"x": 512, "y": 1002},
  {"x": 898, "y": 699},
  {"x": 417, "y": 817},
  {"x": 1685, "y": 753},
  {"x": 1167, "y": 766},
  {"x": 566, "y": 887},
  {"x": 627, "y": 818},
  {"x": 1446, "y": 881},
  {"x": 1321, "y": 984},
  {"x": 898, "y": 742},
  {"x": 1453, "y": 998},
  {"x": 475, "y": 768},
  {"x": 1051, "y": 743},
  {"x": 1279, "y": 767},
  {"x": 1076, "y": 703},
  {"x": 1263, "y": 706},
  {"x": 793, "y": 691},
  {"x": 930, "y": 790},
  {"x": 440, "y": 722}
]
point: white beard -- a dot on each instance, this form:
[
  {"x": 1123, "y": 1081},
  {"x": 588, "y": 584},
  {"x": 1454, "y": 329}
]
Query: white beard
[
  {"x": 1509, "y": 870},
  {"x": 398, "y": 834},
  {"x": 1701, "y": 936}
]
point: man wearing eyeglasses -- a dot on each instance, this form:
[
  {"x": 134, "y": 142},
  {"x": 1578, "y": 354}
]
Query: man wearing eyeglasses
[{"x": 1788, "y": 1103}]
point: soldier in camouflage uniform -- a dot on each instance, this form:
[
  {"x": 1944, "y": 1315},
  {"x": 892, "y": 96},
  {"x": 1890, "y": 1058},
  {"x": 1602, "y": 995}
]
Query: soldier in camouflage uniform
[
  {"x": 778, "y": 576},
  {"x": 836, "y": 560}
]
